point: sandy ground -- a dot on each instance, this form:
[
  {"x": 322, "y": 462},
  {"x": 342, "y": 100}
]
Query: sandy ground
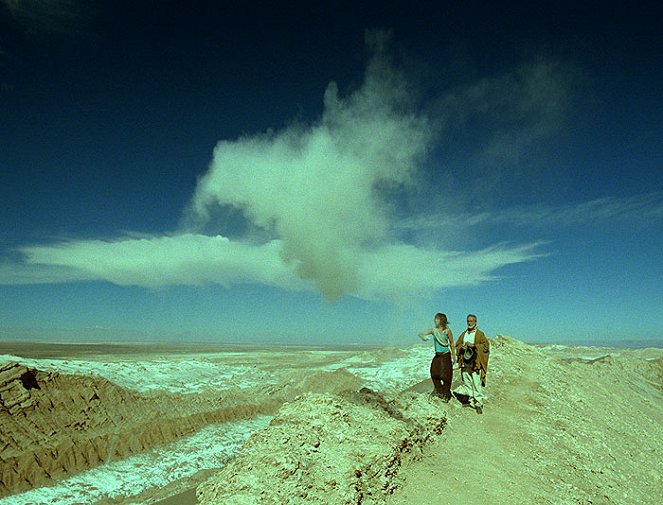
[{"x": 188, "y": 497}]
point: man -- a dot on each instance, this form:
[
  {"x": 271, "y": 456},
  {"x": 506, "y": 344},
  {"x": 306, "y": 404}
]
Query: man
[{"x": 472, "y": 349}]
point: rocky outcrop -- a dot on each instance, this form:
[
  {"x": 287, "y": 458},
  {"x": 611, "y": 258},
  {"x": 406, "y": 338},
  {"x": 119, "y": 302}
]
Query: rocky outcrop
[
  {"x": 54, "y": 425},
  {"x": 343, "y": 449},
  {"x": 16, "y": 381}
]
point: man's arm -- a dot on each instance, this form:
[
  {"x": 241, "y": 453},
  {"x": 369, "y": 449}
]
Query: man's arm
[
  {"x": 459, "y": 344},
  {"x": 485, "y": 344}
]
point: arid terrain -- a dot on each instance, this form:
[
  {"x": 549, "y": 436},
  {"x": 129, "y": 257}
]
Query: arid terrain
[{"x": 562, "y": 425}]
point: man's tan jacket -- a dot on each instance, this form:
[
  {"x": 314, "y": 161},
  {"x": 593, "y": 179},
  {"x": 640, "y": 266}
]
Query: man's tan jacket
[{"x": 483, "y": 349}]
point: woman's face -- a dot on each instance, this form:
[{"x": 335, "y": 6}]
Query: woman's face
[{"x": 438, "y": 321}]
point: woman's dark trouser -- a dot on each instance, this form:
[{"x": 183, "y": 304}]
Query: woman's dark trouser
[{"x": 441, "y": 373}]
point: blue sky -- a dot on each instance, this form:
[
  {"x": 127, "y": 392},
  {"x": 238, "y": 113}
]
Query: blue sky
[{"x": 325, "y": 173}]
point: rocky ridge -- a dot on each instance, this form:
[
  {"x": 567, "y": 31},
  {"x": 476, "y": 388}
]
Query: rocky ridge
[{"x": 346, "y": 448}]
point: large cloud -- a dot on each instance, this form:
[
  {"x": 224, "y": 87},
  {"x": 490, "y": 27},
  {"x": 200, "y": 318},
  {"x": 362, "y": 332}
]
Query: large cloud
[{"x": 323, "y": 196}]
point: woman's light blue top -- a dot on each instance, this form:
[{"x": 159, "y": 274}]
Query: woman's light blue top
[{"x": 441, "y": 341}]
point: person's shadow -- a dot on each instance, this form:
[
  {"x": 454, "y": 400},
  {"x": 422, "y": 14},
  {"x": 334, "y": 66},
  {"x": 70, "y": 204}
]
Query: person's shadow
[{"x": 463, "y": 399}]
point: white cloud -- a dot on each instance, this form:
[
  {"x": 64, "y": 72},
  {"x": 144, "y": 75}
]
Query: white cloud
[
  {"x": 403, "y": 270},
  {"x": 154, "y": 262},
  {"x": 637, "y": 208}
]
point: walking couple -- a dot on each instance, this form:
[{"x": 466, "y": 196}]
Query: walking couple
[{"x": 470, "y": 352}]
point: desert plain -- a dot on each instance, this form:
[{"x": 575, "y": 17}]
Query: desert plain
[{"x": 179, "y": 424}]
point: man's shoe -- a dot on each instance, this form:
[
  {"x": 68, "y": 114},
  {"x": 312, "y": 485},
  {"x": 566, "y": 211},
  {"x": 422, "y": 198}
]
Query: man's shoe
[{"x": 479, "y": 410}]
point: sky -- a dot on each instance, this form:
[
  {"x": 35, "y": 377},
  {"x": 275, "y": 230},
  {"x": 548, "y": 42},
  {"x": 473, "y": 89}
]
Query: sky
[{"x": 330, "y": 172}]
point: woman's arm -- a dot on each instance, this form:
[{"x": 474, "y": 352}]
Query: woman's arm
[
  {"x": 423, "y": 334},
  {"x": 452, "y": 348}
]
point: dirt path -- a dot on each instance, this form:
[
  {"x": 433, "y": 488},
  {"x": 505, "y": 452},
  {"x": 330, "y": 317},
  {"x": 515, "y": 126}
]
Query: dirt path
[
  {"x": 555, "y": 430},
  {"x": 503, "y": 457}
]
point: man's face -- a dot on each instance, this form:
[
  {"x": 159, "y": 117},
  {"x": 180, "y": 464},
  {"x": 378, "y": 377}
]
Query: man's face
[{"x": 471, "y": 322}]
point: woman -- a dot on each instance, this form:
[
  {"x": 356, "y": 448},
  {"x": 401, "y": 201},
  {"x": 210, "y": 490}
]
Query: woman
[{"x": 441, "y": 368}]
